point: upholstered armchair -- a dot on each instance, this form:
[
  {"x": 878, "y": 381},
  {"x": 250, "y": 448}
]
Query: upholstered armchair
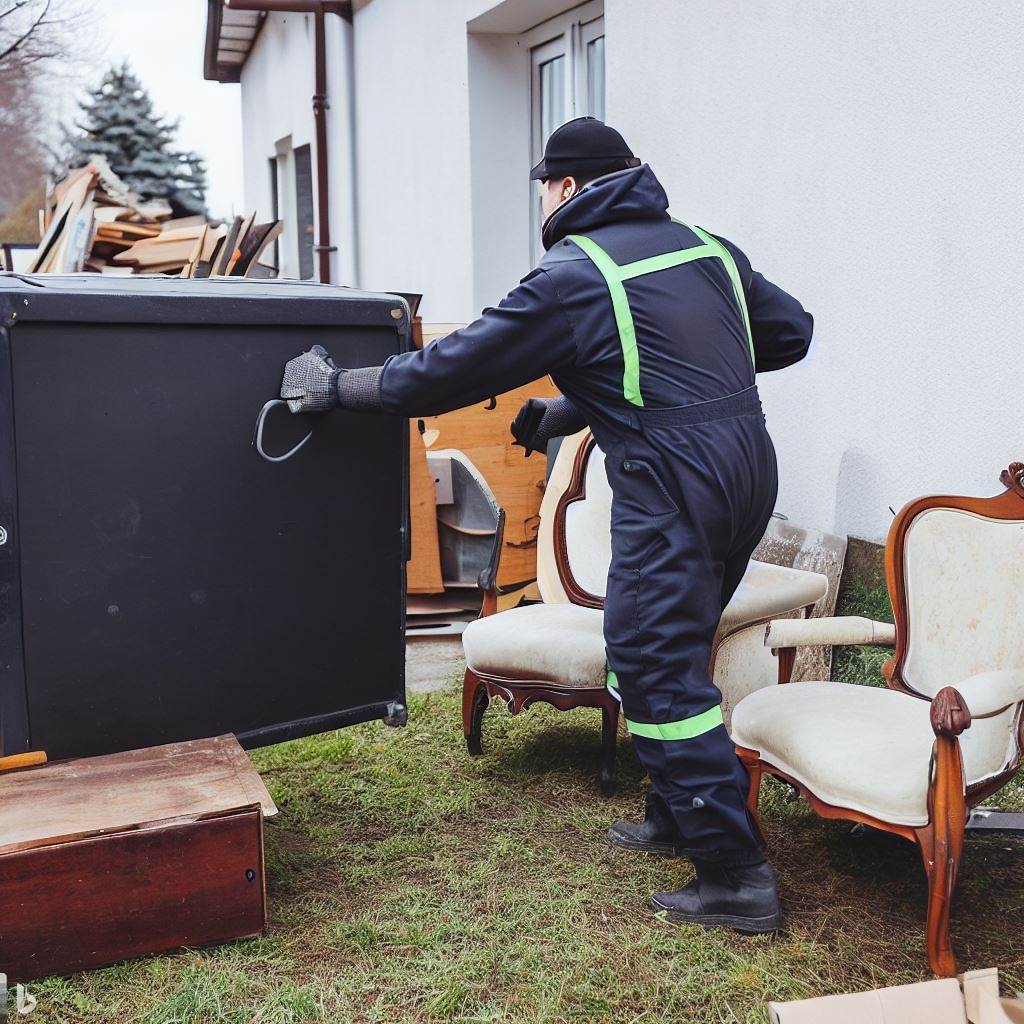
[
  {"x": 554, "y": 651},
  {"x": 912, "y": 759}
]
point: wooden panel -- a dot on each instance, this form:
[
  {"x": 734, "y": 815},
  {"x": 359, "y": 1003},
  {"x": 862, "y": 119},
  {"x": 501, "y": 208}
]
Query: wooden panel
[
  {"x": 423, "y": 572},
  {"x": 73, "y": 799},
  {"x": 96, "y": 901},
  {"x": 482, "y": 432}
]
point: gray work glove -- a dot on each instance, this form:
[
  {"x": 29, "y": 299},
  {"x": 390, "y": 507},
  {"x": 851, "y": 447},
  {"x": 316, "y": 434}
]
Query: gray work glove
[
  {"x": 311, "y": 382},
  {"x": 541, "y": 419}
]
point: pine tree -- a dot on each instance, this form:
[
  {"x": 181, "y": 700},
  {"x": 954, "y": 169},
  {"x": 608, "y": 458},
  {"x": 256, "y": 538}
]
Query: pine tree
[{"x": 119, "y": 123}]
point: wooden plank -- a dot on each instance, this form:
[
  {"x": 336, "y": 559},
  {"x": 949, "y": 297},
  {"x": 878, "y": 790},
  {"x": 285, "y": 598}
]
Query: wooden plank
[
  {"x": 92, "y": 795},
  {"x": 423, "y": 572},
  {"x": 27, "y": 760},
  {"x": 97, "y": 901}
]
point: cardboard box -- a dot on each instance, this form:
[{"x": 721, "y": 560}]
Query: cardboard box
[{"x": 972, "y": 1000}]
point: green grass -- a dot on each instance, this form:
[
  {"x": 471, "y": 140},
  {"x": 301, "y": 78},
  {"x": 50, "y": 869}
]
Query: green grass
[
  {"x": 409, "y": 882},
  {"x": 862, "y": 664}
]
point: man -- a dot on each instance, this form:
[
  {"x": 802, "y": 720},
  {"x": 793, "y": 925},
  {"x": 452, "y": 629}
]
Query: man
[{"x": 653, "y": 331}]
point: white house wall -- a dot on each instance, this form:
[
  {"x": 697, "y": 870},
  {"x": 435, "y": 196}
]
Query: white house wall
[
  {"x": 278, "y": 82},
  {"x": 442, "y": 148},
  {"x": 867, "y": 157},
  {"x": 412, "y": 151}
]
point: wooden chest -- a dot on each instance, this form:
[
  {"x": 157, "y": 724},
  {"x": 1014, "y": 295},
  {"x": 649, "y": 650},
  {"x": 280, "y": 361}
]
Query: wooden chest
[{"x": 107, "y": 858}]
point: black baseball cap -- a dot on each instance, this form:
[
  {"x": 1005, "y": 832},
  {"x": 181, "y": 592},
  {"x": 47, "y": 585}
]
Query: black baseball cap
[{"x": 583, "y": 144}]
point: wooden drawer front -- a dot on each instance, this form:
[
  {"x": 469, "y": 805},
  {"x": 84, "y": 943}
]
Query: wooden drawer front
[{"x": 95, "y": 901}]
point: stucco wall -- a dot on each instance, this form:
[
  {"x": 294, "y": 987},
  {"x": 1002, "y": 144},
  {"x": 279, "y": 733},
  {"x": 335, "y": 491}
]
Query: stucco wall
[
  {"x": 277, "y": 92},
  {"x": 412, "y": 152},
  {"x": 867, "y": 157},
  {"x": 443, "y": 148}
]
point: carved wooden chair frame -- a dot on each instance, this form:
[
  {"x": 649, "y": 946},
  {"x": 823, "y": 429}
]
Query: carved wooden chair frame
[
  {"x": 479, "y": 688},
  {"x": 949, "y": 800}
]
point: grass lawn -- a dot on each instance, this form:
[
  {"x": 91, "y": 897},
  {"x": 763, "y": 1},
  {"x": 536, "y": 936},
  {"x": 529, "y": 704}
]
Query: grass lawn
[{"x": 410, "y": 882}]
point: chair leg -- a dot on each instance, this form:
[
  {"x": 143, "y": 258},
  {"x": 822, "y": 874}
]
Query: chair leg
[
  {"x": 609, "y": 742},
  {"x": 474, "y": 704},
  {"x": 942, "y": 847},
  {"x": 941, "y": 867},
  {"x": 752, "y": 762}
]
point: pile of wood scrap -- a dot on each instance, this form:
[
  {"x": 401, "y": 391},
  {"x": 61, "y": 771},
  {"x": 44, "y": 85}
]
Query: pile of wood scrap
[
  {"x": 93, "y": 222},
  {"x": 481, "y": 433}
]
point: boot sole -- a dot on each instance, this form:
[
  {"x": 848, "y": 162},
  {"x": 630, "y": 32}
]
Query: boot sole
[
  {"x": 747, "y": 925},
  {"x": 638, "y": 846}
]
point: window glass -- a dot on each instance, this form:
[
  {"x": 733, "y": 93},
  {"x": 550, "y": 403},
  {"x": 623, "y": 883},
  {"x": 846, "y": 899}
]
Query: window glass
[
  {"x": 595, "y": 77},
  {"x": 304, "y": 210},
  {"x": 552, "y": 96}
]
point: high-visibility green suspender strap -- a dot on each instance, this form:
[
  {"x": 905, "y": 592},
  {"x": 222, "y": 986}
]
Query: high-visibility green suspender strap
[
  {"x": 615, "y": 277},
  {"x": 684, "y": 729},
  {"x": 610, "y": 270}
]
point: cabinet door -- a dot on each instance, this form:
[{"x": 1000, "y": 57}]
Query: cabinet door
[{"x": 174, "y": 584}]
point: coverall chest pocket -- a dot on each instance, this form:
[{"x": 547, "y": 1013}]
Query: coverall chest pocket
[{"x": 645, "y": 488}]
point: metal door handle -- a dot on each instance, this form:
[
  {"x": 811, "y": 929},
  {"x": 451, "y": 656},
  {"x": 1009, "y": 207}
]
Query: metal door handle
[{"x": 257, "y": 439}]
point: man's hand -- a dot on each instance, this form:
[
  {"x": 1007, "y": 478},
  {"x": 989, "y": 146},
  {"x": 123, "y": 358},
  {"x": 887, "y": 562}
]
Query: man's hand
[
  {"x": 311, "y": 382},
  {"x": 541, "y": 419}
]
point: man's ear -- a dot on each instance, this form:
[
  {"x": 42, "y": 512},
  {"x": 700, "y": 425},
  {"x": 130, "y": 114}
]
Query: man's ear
[{"x": 568, "y": 188}]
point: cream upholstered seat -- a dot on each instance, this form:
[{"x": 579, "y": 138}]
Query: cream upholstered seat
[
  {"x": 816, "y": 731},
  {"x": 559, "y": 643},
  {"x": 912, "y": 759},
  {"x": 554, "y": 651},
  {"x": 564, "y": 643}
]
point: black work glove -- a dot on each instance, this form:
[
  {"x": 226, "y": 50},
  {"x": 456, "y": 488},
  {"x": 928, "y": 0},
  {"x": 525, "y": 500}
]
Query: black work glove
[
  {"x": 311, "y": 382},
  {"x": 541, "y": 419}
]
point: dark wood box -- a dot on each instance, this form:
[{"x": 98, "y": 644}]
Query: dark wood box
[{"x": 107, "y": 858}]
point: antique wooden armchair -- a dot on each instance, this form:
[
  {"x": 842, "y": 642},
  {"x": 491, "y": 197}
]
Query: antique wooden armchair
[
  {"x": 947, "y": 733},
  {"x": 554, "y": 651}
]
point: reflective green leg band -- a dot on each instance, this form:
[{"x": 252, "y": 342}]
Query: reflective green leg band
[
  {"x": 613, "y": 680},
  {"x": 685, "y": 729}
]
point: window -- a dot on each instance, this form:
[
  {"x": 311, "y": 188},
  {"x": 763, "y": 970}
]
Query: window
[
  {"x": 275, "y": 210},
  {"x": 304, "y": 210},
  {"x": 567, "y": 64}
]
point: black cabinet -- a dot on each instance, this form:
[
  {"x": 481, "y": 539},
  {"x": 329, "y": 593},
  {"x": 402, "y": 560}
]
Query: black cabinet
[{"x": 159, "y": 581}]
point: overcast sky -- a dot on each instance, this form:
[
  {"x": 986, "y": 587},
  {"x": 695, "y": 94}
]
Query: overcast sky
[{"x": 163, "y": 40}]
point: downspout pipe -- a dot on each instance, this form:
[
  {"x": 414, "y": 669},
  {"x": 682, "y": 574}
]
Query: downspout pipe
[{"x": 318, "y": 8}]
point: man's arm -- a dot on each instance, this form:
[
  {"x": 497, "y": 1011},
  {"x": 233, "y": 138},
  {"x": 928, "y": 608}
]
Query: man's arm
[
  {"x": 522, "y": 338},
  {"x": 780, "y": 326}
]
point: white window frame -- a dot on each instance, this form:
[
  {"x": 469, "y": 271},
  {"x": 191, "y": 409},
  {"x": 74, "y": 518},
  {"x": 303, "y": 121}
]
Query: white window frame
[{"x": 568, "y": 36}]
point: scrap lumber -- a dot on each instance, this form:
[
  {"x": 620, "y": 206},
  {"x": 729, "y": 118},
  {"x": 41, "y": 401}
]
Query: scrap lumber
[
  {"x": 93, "y": 222},
  {"x": 481, "y": 432},
  {"x": 423, "y": 571}
]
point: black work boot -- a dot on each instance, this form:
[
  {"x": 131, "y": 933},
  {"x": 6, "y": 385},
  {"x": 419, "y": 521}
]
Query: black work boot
[
  {"x": 743, "y": 898},
  {"x": 657, "y": 833}
]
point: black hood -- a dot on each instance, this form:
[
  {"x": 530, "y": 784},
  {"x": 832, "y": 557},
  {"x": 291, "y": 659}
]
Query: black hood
[{"x": 632, "y": 194}]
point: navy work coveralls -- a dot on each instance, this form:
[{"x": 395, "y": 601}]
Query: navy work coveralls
[{"x": 658, "y": 357}]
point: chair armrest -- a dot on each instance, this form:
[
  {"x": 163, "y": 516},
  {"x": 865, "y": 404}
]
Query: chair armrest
[
  {"x": 990, "y": 693},
  {"x": 830, "y": 631},
  {"x": 487, "y": 581}
]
